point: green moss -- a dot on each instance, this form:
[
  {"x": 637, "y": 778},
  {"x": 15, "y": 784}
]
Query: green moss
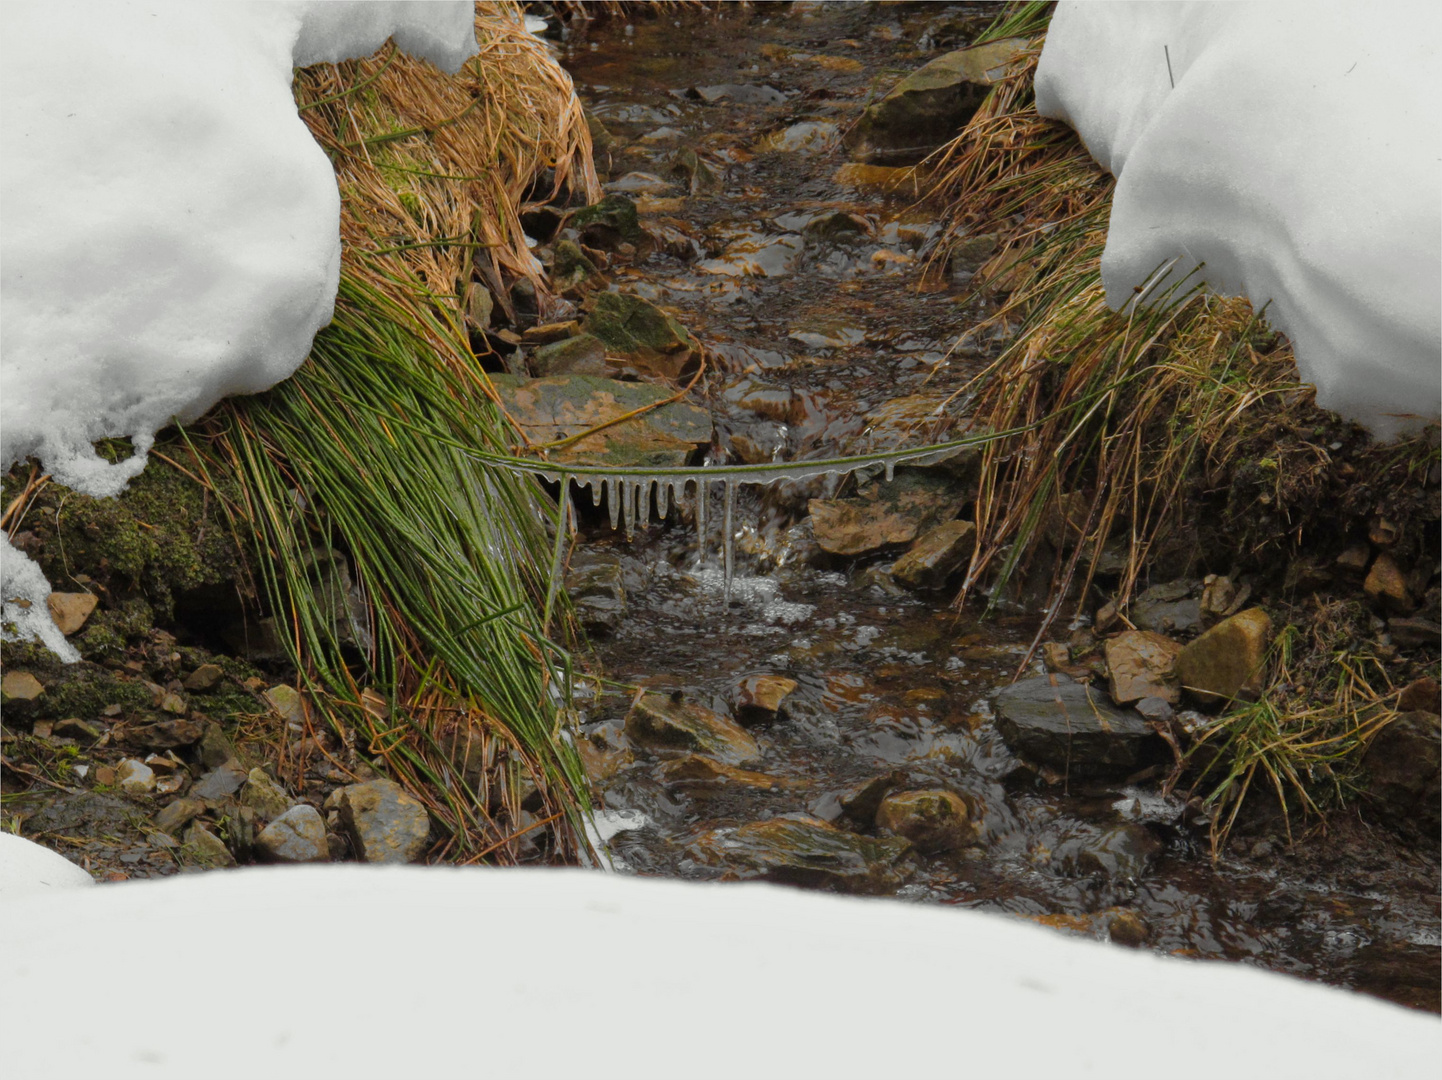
[{"x": 84, "y": 690}]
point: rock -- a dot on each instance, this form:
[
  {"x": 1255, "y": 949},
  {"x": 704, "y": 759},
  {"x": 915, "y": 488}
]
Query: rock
[
  {"x": 161, "y": 734},
  {"x": 1157, "y": 710},
  {"x": 296, "y": 836},
  {"x": 741, "y": 93},
  {"x": 933, "y": 820},
  {"x": 383, "y": 823},
  {"x": 1402, "y": 764},
  {"x": 598, "y": 593},
  {"x": 937, "y": 554},
  {"x": 569, "y": 267},
  {"x": 204, "y": 678},
  {"x": 699, "y": 175},
  {"x": 70, "y": 610},
  {"x": 1121, "y": 852},
  {"x": 1421, "y": 695},
  {"x": 878, "y": 177},
  {"x": 801, "y": 850},
  {"x": 860, "y": 802},
  {"x": 1168, "y": 608},
  {"x": 671, "y": 722},
  {"x": 1221, "y": 598},
  {"x": 264, "y": 795},
  {"x": 175, "y": 705},
  {"x": 640, "y": 183},
  {"x": 1354, "y": 560},
  {"x": 555, "y": 408},
  {"x": 584, "y": 354},
  {"x": 1228, "y": 660},
  {"x": 760, "y": 698},
  {"x": 608, "y": 224},
  {"x": 932, "y": 104},
  {"x": 84, "y": 732},
  {"x": 479, "y": 306},
  {"x": 807, "y": 137},
  {"x": 214, "y": 749},
  {"x": 20, "y": 686},
  {"x": 177, "y": 814},
  {"x": 884, "y": 513},
  {"x": 134, "y": 777},
  {"x": 1141, "y": 664},
  {"x": 1386, "y": 585},
  {"x": 225, "y": 779},
  {"x": 695, "y": 769},
  {"x": 1053, "y": 721},
  {"x": 1129, "y": 929},
  {"x": 288, "y": 704},
  {"x": 203, "y": 848},
  {"x": 1414, "y": 633}
]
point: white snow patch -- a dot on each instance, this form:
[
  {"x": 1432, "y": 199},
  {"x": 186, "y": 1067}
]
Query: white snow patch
[
  {"x": 27, "y": 869},
  {"x": 1296, "y": 157}
]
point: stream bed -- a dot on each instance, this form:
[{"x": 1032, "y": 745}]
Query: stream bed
[{"x": 799, "y": 271}]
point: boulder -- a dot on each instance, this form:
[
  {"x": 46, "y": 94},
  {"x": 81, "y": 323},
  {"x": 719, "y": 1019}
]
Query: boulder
[
  {"x": 932, "y": 104},
  {"x": 933, "y": 820},
  {"x": 383, "y": 822},
  {"x": 1141, "y": 664},
  {"x": 801, "y": 850},
  {"x": 1229, "y": 660},
  {"x": 937, "y": 554},
  {"x": 671, "y": 722},
  {"x": 296, "y": 836},
  {"x": 1067, "y": 726}
]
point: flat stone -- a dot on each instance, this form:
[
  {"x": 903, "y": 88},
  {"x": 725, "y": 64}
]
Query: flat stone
[
  {"x": 886, "y": 178},
  {"x": 1158, "y": 710},
  {"x": 225, "y": 779},
  {"x": 637, "y": 330},
  {"x": 179, "y": 813},
  {"x": 214, "y": 748},
  {"x": 1124, "y": 851},
  {"x": 85, "y": 732},
  {"x": 1168, "y": 608},
  {"x": 1386, "y": 585},
  {"x": 20, "y": 686},
  {"x": 287, "y": 703},
  {"x": 761, "y": 698},
  {"x": 804, "y": 851},
  {"x": 1414, "y": 633},
  {"x": 696, "y": 769},
  {"x": 884, "y": 513},
  {"x": 662, "y": 721},
  {"x": 1141, "y": 664},
  {"x": 1229, "y": 660},
  {"x": 383, "y": 822},
  {"x": 70, "y": 610},
  {"x": 1403, "y": 765},
  {"x": 162, "y": 734},
  {"x": 937, "y": 554},
  {"x": 807, "y": 137},
  {"x": 203, "y": 848},
  {"x": 1067, "y": 726},
  {"x": 297, "y": 836},
  {"x": 933, "y": 820},
  {"x": 584, "y": 354},
  {"x": 640, "y": 183},
  {"x": 264, "y": 795},
  {"x": 204, "y": 678},
  {"x": 134, "y": 777}
]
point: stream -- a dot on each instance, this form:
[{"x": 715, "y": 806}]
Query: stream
[{"x": 799, "y": 271}]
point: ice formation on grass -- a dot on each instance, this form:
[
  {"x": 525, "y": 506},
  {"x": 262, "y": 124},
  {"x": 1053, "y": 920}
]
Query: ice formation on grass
[
  {"x": 575, "y": 973},
  {"x": 1296, "y": 156},
  {"x": 171, "y": 231}
]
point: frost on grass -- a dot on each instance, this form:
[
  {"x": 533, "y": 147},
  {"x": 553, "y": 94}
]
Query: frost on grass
[
  {"x": 171, "y": 231},
  {"x": 1292, "y": 150}
]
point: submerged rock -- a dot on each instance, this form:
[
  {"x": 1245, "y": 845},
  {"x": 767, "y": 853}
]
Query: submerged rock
[
  {"x": 1229, "y": 660},
  {"x": 934, "y": 820},
  {"x": 761, "y": 698},
  {"x": 695, "y": 769},
  {"x": 383, "y": 822},
  {"x": 1053, "y": 721},
  {"x": 801, "y": 850},
  {"x": 671, "y": 722}
]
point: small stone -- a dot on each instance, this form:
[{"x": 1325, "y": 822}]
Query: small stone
[
  {"x": 479, "y": 305},
  {"x": 1228, "y": 660},
  {"x": 70, "y": 610},
  {"x": 883, "y": 513},
  {"x": 288, "y": 705},
  {"x": 1402, "y": 764},
  {"x": 215, "y": 749},
  {"x": 936, "y": 555},
  {"x": 1107, "y": 617},
  {"x": 695, "y": 769},
  {"x": 1414, "y": 633},
  {"x": 932, "y": 820},
  {"x": 1129, "y": 929},
  {"x": 175, "y": 705},
  {"x": 1220, "y": 598},
  {"x": 225, "y": 779},
  {"x": 672, "y": 722},
  {"x": 549, "y": 333},
  {"x": 204, "y": 678},
  {"x": 1354, "y": 559},
  {"x": 1056, "y": 656},
  {"x": 860, "y": 802},
  {"x": 1386, "y": 585},
  {"x": 205, "y": 849},
  {"x": 1141, "y": 664},
  {"x": 43, "y": 729},
  {"x": 262, "y": 794},
  {"x": 1421, "y": 695},
  {"x": 761, "y": 698},
  {"x": 584, "y": 354},
  {"x": 297, "y": 836},
  {"x": 162, "y": 734},
  {"x": 1168, "y": 608},
  {"x": 85, "y": 732},
  {"x": 1157, "y": 710},
  {"x": 20, "y": 686},
  {"x": 134, "y": 777},
  {"x": 1383, "y": 533},
  {"x": 383, "y": 822},
  {"x": 105, "y": 775},
  {"x": 179, "y": 813}
]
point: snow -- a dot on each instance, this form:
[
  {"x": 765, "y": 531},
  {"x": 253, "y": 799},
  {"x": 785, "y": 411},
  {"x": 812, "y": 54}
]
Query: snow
[
  {"x": 171, "y": 230},
  {"x": 576, "y": 973},
  {"x": 1296, "y": 157},
  {"x": 27, "y": 869}
]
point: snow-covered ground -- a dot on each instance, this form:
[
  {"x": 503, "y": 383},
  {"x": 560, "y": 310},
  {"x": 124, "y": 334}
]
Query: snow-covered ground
[
  {"x": 370, "y": 971},
  {"x": 1293, "y": 149}
]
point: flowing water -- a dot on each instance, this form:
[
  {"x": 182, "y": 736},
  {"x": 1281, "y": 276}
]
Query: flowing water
[{"x": 802, "y": 279}]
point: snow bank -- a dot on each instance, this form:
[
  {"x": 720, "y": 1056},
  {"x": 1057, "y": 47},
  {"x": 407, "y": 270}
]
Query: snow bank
[
  {"x": 432, "y": 972},
  {"x": 1296, "y": 156},
  {"x": 27, "y": 869},
  {"x": 171, "y": 230}
]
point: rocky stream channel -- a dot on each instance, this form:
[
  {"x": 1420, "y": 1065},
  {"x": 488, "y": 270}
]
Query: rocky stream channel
[{"x": 781, "y": 687}]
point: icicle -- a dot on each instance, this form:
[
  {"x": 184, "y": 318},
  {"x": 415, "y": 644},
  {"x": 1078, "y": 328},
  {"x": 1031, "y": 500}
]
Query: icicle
[
  {"x": 566, "y": 482},
  {"x": 728, "y": 544},
  {"x": 663, "y": 489},
  {"x": 701, "y": 494},
  {"x": 890, "y": 469},
  {"x": 613, "y": 499},
  {"x": 596, "y": 488},
  {"x": 628, "y": 506},
  {"x": 645, "y": 507}
]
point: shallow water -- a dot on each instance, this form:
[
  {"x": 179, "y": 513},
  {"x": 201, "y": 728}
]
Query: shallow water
[{"x": 811, "y": 331}]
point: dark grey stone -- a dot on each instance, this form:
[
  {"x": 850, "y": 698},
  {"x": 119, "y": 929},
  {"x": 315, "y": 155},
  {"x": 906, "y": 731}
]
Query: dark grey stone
[{"x": 1053, "y": 721}]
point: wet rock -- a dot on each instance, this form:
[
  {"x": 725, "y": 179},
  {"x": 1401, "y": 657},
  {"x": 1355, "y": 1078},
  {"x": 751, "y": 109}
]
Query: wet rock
[
  {"x": 570, "y": 268},
  {"x": 761, "y": 698},
  {"x": 740, "y": 93},
  {"x": 1421, "y": 695},
  {"x": 584, "y": 354},
  {"x": 1386, "y": 585},
  {"x": 699, "y": 175},
  {"x": 933, "y": 820},
  {"x": 1129, "y": 929},
  {"x": 296, "y": 836},
  {"x": 179, "y": 813},
  {"x": 639, "y": 331},
  {"x": 604, "y": 753},
  {"x": 932, "y": 104},
  {"x": 807, "y": 137},
  {"x": 878, "y": 177},
  {"x": 225, "y": 779},
  {"x": 555, "y": 408},
  {"x": 1229, "y": 660},
  {"x": 860, "y": 802},
  {"x": 134, "y": 777},
  {"x": 1141, "y": 664},
  {"x": 70, "y": 610},
  {"x": 1168, "y": 608},
  {"x": 264, "y": 795},
  {"x": 827, "y": 333},
  {"x": 671, "y": 722},
  {"x": 640, "y": 183},
  {"x": 804, "y": 851},
  {"x": 84, "y": 732},
  {"x": 1402, "y": 765},
  {"x": 203, "y": 848},
  {"x": 204, "y": 678},
  {"x": 383, "y": 823},
  {"x": 1121, "y": 852},
  {"x": 607, "y": 224},
  {"x": 1067, "y": 726},
  {"x": 695, "y": 769},
  {"x": 937, "y": 554},
  {"x": 757, "y": 255},
  {"x": 883, "y": 513},
  {"x": 20, "y": 687},
  {"x": 162, "y": 734},
  {"x": 598, "y": 592}
]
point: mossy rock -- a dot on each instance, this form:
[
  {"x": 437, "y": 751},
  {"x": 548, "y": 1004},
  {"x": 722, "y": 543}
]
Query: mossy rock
[
  {"x": 642, "y": 333},
  {"x": 609, "y": 223}
]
